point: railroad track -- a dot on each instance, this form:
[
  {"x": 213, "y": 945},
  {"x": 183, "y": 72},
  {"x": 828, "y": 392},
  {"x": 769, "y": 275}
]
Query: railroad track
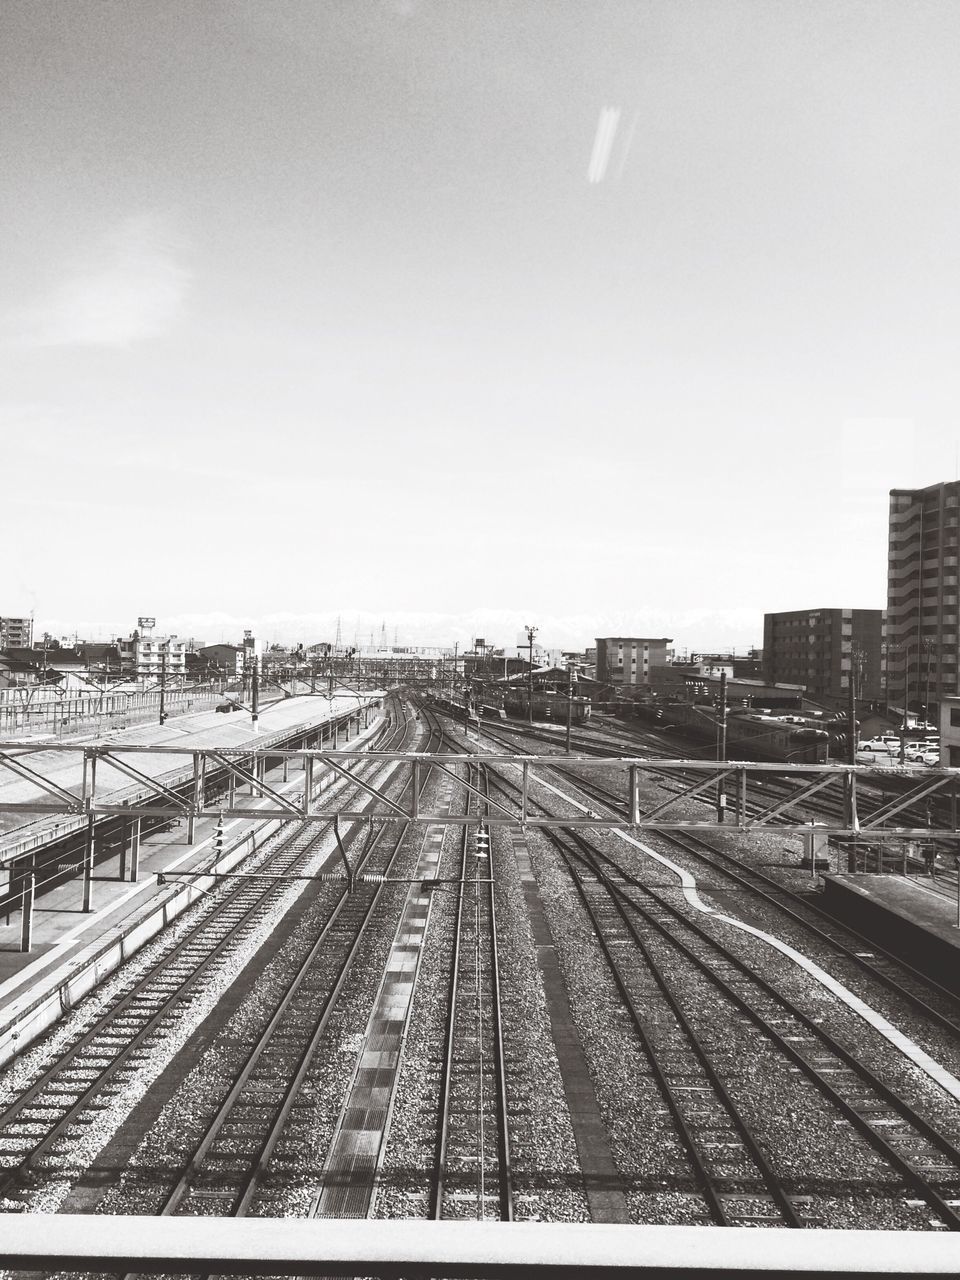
[
  {"x": 234, "y": 1153},
  {"x": 731, "y": 1169},
  {"x": 108, "y": 1053},
  {"x": 472, "y": 1177},
  {"x": 37, "y": 1126},
  {"x": 690, "y": 960},
  {"x": 921, "y": 1163},
  {"x": 933, "y": 1001}
]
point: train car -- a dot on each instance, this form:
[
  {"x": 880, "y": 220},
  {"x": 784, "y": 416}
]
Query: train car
[
  {"x": 760, "y": 737},
  {"x": 547, "y": 706},
  {"x": 751, "y": 735}
]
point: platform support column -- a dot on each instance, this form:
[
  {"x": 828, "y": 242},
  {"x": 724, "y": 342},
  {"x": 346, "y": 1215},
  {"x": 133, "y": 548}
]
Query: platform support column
[
  {"x": 196, "y": 800},
  {"x": 26, "y": 920},
  {"x": 307, "y": 781},
  {"x": 135, "y": 851},
  {"x": 634, "y": 796},
  {"x": 88, "y": 864},
  {"x": 286, "y": 761}
]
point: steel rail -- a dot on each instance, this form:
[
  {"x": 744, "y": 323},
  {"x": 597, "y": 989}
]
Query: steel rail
[
  {"x": 711, "y": 1186},
  {"x": 939, "y": 1203},
  {"x": 360, "y": 903},
  {"x": 682, "y": 840},
  {"x": 438, "y": 1181},
  {"x": 484, "y": 926},
  {"x": 255, "y": 896},
  {"x": 245, "y": 892},
  {"x": 506, "y": 1176},
  {"x": 948, "y": 1213}
]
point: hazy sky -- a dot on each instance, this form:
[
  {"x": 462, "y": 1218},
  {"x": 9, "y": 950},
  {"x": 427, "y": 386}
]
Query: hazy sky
[{"x": 603, "y": 316}]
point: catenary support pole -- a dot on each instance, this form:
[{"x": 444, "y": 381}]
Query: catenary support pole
[
  {"x": 569, "y": 703},
  {"x": 88, "y": 848},
  {"x": 135, "y": 851},
  {"x": 722, "y": 744},
  {"x": 124, "y": 841},
  {"x": 26, "y": 920}
]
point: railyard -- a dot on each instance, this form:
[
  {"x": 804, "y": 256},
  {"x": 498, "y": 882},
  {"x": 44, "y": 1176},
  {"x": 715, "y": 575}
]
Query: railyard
[{"x": 450, "y": 977}]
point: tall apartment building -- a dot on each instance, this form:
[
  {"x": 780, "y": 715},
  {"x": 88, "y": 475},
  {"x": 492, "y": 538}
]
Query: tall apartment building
[
  {"x": 922, "y": 571},
  {"x": 629, "y": 660},
  {"x": 16, "y": 633},
  {"x": 822, "y": 648}
]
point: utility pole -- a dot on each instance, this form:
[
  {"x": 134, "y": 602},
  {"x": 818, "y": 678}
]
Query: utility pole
[
  {"x": 255, "y": 695},
  {"x": 531, "y": 632}
]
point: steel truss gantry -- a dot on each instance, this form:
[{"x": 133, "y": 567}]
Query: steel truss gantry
[{"x": 179, "y": 788}]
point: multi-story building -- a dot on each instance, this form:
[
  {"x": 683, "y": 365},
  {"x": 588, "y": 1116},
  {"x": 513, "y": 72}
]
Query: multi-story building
[
  {"x": 16, "y": 633},
  {"x": 147, "y": 656},
  {"x": 923, "y": 637},
  {"x": 629, "y": 660},
  {"x": 823, "y": 649}
]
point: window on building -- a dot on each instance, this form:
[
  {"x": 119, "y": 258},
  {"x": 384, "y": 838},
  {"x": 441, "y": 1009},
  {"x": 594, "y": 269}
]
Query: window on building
[{"x": 955, "y": 717}]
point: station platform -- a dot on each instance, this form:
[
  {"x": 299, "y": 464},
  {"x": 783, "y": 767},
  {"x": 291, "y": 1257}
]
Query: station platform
[
  {"x": 908, "y": 916},
  {"x": 72, "y": 949}
]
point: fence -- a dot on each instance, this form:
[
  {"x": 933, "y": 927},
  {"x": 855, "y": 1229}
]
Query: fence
[{"x": 63, "y": 713}]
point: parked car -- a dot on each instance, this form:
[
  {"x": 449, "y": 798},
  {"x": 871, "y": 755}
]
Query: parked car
[
  {"x": 926, "y": 755},
  {"x": 887, "y": 745}
]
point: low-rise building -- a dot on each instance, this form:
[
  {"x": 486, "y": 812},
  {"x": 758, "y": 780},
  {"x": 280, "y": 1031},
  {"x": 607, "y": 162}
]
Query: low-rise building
[
  {"x": 950, "y": 731},
  {"x": 227, "y": 659}
]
